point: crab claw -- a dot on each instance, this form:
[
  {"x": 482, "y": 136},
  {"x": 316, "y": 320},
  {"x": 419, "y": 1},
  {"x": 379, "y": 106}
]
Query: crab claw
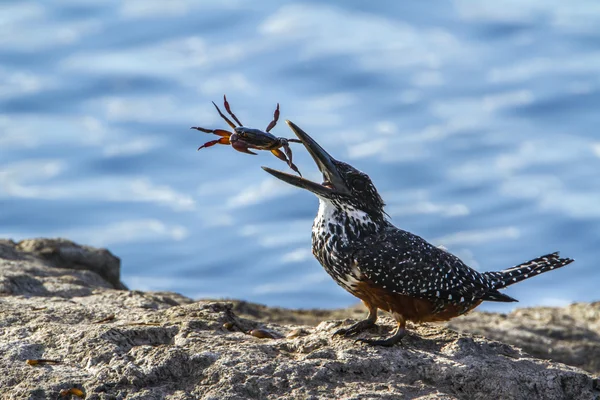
[{"x": 241, "y": 146}]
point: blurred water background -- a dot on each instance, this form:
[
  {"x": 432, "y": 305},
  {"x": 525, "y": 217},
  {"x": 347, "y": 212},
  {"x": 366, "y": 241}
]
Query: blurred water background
[{"x": 477, "y": 121}]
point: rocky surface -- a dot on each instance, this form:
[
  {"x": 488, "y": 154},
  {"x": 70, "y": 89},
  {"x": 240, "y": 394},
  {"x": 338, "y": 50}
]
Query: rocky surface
[
  {"x": 570, "y": 335},
  {"x": 112, "y": 343},
  {"x": 21, "y": 272}
]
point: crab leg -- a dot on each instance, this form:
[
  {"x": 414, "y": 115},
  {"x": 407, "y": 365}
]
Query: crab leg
[
  {"x": 220, "y": 132},
  {"x": 275, "y": 119},
  {"x": 231, "y": 124},
  {"x": 288, "y": 152},
  {"x": 226, "y": 103},
  {"x": 279, "y": 154},
  {"x": 223, "y": 140}
]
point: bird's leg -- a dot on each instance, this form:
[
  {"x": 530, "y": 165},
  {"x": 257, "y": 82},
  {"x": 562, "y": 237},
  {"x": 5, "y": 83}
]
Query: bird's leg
[
  {"x": 392, "y": 340},
  {"x": 275, "y": 119},
  {"x": 360, "y": 326}
]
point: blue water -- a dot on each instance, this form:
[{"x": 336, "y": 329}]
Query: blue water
[{"x": 477, "y": 121}]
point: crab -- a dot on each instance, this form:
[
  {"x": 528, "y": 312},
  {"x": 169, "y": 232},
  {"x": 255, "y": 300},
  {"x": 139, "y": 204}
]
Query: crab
[{"x": 243, "y": 139}]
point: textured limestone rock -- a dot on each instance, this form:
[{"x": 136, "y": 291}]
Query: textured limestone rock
[
  {"x": 570, "y": 335},
  {"x": 117, "y": 344},
  {"x": 63, "y": 253}
]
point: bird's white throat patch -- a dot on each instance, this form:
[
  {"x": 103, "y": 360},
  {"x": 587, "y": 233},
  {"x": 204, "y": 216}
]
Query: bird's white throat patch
[{"x": 342, "y": 215}]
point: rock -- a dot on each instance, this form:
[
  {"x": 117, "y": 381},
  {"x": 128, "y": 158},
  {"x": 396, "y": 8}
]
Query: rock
[
  {"x": 37, "y": 268},
  {"x": 570, "y": 335},
  {"x": 63, "y": 253},
  {"x": 117, "y": 344}
]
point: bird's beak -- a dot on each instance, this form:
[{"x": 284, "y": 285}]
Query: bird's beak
[{"x": 332, "y": 180}]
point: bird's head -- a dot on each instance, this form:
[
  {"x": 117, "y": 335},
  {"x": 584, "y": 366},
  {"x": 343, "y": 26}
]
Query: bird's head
[{"x": 343, "y": 185}]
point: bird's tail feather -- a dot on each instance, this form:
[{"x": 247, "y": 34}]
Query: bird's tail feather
[{"x": 501, "y": 279}]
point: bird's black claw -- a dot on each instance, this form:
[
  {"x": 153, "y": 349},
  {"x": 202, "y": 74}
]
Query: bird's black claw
[
  {"x": 358, "y": 327},
  {"x": 389, "y": 342},
  {"x": 342, "y": 332}
]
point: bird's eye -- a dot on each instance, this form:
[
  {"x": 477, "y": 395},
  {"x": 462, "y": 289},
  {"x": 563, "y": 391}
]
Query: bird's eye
[{"x": 358, "y": 182}]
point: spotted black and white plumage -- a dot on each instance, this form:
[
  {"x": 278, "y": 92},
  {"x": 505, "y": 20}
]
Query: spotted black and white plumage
[
  {"x": 355, "y": 243},
  {"x": 388, "y": 268}
]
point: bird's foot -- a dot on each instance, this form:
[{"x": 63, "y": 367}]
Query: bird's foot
[
  {"x": 358, "y": 327},
  {"x": 387, "y": 342}
]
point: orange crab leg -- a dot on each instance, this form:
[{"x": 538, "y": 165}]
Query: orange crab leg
[
  {"x": 223, "y": 140},
  {"x": 279, "y": 154}
]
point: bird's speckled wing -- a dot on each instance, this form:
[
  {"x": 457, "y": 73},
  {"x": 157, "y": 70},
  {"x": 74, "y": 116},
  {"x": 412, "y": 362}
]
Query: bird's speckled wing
[{"x": 406, "y": 264}]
